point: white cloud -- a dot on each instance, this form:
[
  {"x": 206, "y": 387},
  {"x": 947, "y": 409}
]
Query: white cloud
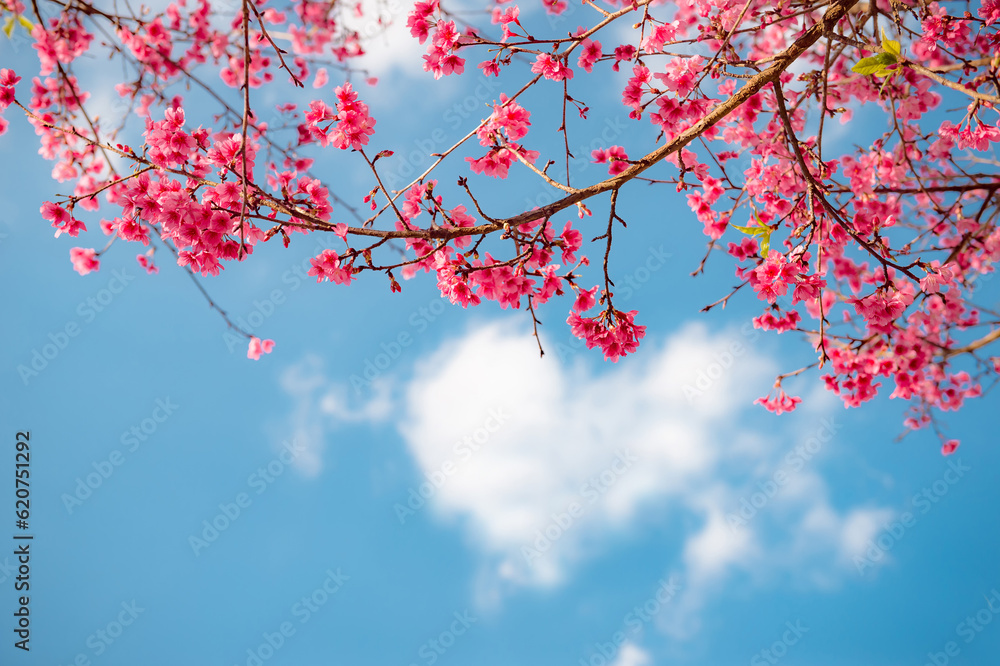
[
  {"x": 544, "y": 491},
  {"x": 543, "y": 465},
  {"x": 387, "y": 41},
  {"x": 716, "y": 548},
  {"x": 859, "y": 528},
  {"x": 577, "y": 456},
  {"x": 631, "y": 654}
]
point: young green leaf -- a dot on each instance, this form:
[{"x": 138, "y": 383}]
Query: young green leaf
[
  {"x": 887, "y": 80},
  {"x": 890, "y": 46},
  {"x": 870, "y": 65},
  {"x": 876, "y": 65},
  {"x": 765, "y": 244},
  {"x": 761, "y": 230},
  {"x": 751, "y": 231},
  {"x": 886, "y": 59}
]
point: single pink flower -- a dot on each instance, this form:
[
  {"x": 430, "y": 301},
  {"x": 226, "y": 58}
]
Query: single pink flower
[{"x": 84, "y": 260}]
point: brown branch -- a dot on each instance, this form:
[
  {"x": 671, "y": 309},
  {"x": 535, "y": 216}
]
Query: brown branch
[
  {"x": 992, "y": 336},
  {"x": 818, "y": 191},
  {"x": 246, "y": 121},
  {"x": 975, "y": 94},
  {"x": 782, "y": 62}
]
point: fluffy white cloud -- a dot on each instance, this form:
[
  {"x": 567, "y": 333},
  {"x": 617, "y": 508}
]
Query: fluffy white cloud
[
  {"x": 569, "y": 460},
  {"x": 575, "y": 456},
  {"x": 544, "y": 463}
]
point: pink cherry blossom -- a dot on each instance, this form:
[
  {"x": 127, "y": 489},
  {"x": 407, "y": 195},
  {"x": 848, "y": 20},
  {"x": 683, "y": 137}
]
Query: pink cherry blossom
[
  {"x": 146, "y": 261},
  {"x": 773, "y": 277},
  {"x": 551, "y": 68},
  {"x": 584, "y": 300},
  {"x": 572, "y": 241},
  {"x": 589, "y": 55},
  {"x": 615, "y": 332},
  {"x": 62, "y": 219},
  {"x": 84, "y": 260},
  {"x": 880, "y": 247},
  {"x": 327, "y": 266},
  {"x": 780, "y": 403},
  {"x": 614, "y": 156},
  {"x": 881, "y": 308},
  {"x": 949, "y": 447},
  {"x": 257, "y": 347},
  {"x": 990, "y": 11}
]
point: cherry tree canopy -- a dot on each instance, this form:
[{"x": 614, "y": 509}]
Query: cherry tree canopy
[{"x": 872, "y": 254}]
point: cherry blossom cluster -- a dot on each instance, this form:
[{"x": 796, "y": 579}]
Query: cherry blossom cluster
[
  {"x": 507, "y": 125},
  {"x": 441, "y": 58},
  {"x": 873, "y": 252},
  {"x": 349, "y": 127},
  {"x": 614, "y": 331}
]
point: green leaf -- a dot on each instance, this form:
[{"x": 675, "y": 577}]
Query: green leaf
[
  {"x": 888, "y": 78},
  {"x": 890, "y": 46},
  {"x": 875, "y": 64},
  {"x": 752, "y": 231},
  {"x": 867, "y": 66},
  {"x": 761, "y": 230},
  {"x": 886, "y": 59},
  {"x": 8, "y": 26},
  {"x": 28, "y": 25}
]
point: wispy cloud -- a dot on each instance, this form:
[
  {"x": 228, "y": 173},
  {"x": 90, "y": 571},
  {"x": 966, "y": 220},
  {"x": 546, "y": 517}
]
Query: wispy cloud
[{"x": 320, "y": 405}]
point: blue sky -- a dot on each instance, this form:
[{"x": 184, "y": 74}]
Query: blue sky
[{"x": 467, "y": 502}]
